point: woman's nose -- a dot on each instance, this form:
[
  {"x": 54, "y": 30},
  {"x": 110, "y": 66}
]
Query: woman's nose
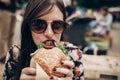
[{"x": 49, "y": 32}]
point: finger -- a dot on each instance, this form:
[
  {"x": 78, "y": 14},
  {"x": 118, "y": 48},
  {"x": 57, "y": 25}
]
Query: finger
[
  {"x": 57, "y": 78},
  {"x": 40, "y": 73},
  {"x": 64, "y": 71},
  {"x": 69, "y": 64},
  {"x": 54, "y": 78},
  {"x": 29, "y": 71},
  {"x": 27, "y": 77}
]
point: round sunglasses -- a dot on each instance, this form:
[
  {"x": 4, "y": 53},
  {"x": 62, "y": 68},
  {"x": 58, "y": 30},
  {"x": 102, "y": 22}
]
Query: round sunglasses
[{"x": 39, "y": 26}]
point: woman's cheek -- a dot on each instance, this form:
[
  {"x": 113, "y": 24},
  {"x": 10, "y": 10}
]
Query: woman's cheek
[
  {"x": 37, "y": 38},
  {"x": 57, "y": 37}
]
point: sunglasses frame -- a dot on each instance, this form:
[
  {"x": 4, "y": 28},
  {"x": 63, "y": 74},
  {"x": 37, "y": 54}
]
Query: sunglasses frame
[{"x": 33, "y": 24}]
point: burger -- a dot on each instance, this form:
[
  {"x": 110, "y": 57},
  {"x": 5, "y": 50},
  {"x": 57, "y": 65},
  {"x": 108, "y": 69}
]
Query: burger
[{"x": 49, "y": 56}]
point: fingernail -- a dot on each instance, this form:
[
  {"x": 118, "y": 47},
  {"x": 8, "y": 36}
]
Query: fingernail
[
  {"x": 73, "y": 68},
  {"x": 65, "y": 75},
  {"x": 51, "y": 77},
  {"x": 69, "y": 67},
  {"x": 54, "y": 69},
  {"x": 62, "y": 63}
]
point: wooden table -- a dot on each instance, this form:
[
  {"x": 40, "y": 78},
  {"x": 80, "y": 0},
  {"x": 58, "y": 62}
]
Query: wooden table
[{"x": 101, "y": 67}]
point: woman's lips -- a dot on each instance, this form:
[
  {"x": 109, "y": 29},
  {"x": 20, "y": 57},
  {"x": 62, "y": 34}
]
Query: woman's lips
[{"x": 49, "y": 44}]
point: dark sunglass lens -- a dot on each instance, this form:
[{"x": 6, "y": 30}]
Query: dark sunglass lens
[
  {"x": 38, "y": 26},
  {"x": 58, "y": 26}
]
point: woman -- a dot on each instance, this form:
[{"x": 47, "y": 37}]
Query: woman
[{"x": 44, "y": 20}]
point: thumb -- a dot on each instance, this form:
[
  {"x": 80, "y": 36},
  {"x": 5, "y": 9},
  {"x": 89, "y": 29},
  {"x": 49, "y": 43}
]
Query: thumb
[{"x": 40, "y": 73}]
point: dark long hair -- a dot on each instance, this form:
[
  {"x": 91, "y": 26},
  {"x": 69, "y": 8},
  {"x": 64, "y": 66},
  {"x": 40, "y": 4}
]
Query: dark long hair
[{"x": 27, "y": 44}]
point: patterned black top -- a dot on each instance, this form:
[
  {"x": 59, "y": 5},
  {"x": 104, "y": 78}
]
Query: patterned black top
[{"x": 13, "y": 54}]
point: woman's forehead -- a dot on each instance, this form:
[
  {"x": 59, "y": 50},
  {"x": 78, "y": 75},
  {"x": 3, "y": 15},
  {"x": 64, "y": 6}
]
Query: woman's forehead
[{"x": 54, "y": 14}]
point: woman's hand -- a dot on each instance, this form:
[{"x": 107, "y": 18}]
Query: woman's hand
[
  {"x": 28, "y": 74},
  {"x": 68, "y": 71}
]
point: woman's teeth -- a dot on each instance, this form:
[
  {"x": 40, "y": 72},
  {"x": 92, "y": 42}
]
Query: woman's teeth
[{"x": 49, "y": 44}]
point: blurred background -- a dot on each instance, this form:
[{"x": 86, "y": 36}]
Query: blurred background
[{"x": 94, "y": 28}]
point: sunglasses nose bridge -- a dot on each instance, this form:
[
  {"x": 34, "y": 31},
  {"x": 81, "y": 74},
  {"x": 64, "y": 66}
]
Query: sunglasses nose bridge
[{"x": 49, "y": 31}]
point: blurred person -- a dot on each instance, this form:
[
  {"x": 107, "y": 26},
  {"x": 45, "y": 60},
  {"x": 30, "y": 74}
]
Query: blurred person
[
  {"x": 10, "y": 10},
  {"x": 6, "y": 2},
  {"x": 9, "y": 5},
  {"x": 106, "y": 18},
  {"x": 101, "y": 26},
  {"x": 12, "y": 5},
  {"x": 103, "y": 22},
  {"x": 89, "y": 13},
  {"x": 67, "y": 3},
  {"x": 91, "y": 49},
  {"x": 5, "y": 20},
  {"x": 73, "y": 12},
  {"x": 44, "y": 20}
]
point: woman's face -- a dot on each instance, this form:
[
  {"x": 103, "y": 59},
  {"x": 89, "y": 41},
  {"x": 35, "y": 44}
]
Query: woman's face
[
  {"x": 103, "y": 12},
  {"x": 48, "y": 33}
]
